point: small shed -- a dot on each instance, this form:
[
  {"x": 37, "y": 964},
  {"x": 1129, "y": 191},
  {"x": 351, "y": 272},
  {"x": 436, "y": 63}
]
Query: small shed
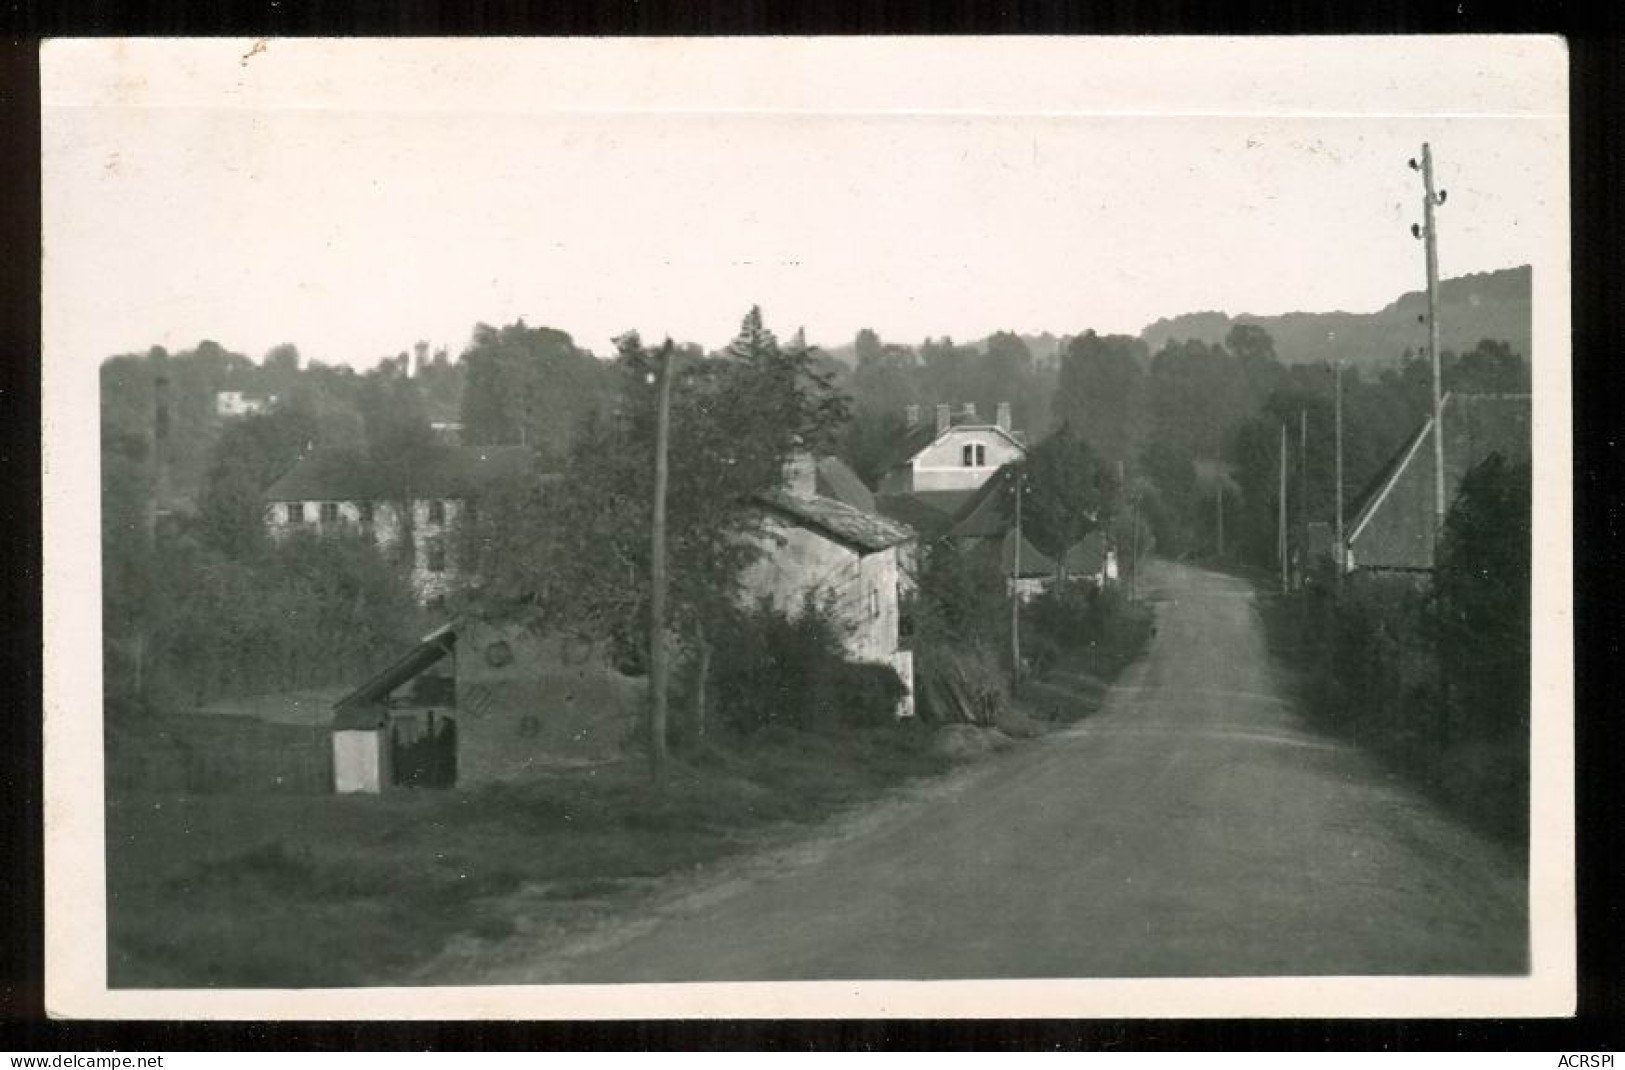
[
  {"x": 474, "y": 702},
  {"x": 399, "y": 728}
]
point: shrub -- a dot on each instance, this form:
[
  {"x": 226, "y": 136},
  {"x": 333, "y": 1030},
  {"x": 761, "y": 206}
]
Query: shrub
[{"x": 771, "y": 669}]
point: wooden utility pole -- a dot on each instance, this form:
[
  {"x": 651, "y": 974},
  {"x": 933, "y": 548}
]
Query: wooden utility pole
[
  {"x": 1337, "y": 419},
  {"x": 1303, "y": 478},
  {"x": 657, "y": 575},
  {"x": 1015, "y": 597},
  {"x": 1221, "y": 517},
  {"x": 1280, "y": 525},
  {"x": 1134, "y": 564},
  {"x": 1429, "y": 234}
]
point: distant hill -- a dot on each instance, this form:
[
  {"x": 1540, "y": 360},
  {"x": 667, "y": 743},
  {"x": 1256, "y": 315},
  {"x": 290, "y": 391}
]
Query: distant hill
[{"x": 1493, "y": 304}]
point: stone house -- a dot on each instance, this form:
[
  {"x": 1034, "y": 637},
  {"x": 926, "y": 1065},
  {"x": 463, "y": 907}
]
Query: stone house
[
  {"x": 331, "y": 490},
  {"x": 818, "y": 541}
]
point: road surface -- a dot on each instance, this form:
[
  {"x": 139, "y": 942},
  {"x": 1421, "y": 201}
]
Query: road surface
[{"x": 1193, "y": 827}]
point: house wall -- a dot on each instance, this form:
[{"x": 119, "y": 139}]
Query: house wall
[
  {"x": 556, "y": 702},
  {"x": 940, "y": 466},
  {"x": 797, "y": 560},
  {"x": 386, "y": 528}
]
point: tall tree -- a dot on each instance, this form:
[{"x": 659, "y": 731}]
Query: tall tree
[
  {"x": 530, "y": 386},
  {"x": 579, "y": 550},
  {"x": 1067, "y": 492},
  {"x": 1482, "y": 596},
  {"x": 400, "y": 448},
  {"x": 1101, "y": 393},
  {"x": 251, "y": 454}
]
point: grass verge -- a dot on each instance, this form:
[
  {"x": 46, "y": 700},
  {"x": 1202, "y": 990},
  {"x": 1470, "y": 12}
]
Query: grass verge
[
  {"x": 320, "y": 890},
  {"x": 1479, "y": 780}
]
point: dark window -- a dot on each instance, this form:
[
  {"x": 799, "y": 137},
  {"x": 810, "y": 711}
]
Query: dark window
[
  {"x": 296, "y": 512},
  {"x": 437, "y": 558},
  {"x": 366, "y": 513},
  {"x": 975, "y": 455},
  {"x": 330, "y": 512},
  {"x": 437, "y": 512}
]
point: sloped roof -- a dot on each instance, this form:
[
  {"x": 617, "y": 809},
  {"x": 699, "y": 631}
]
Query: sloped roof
[
  {"x": 862, "y": 531},
  {"x": 836, "y": 480},
  {"x": 337, "y": 474},
  {"x": 1393, "y": 525},
  {"x": 358, "y": 709},
  {"x": 1035, "y": 564},
  {"x": 1088, "y": 557},
  {"x": 929, "y": 512},
  {"x": 983, "y": 514}
]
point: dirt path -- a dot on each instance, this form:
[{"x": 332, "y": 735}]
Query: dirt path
[{"x": 1193, "y": 827}]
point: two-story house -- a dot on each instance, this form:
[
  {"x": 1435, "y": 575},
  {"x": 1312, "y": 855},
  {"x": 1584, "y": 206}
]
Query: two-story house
[
  {"x": 334, "y": 489},
  {"x": 957, "y": 452}
]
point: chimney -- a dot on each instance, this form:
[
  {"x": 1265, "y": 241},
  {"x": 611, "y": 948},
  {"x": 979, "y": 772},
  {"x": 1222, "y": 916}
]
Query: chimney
[
  {"x": 911, "y": 415},
  {"x": 969, "y": 414},
  {"x": 1004, "y": 416},
  {"x": 942, "y": 418},
  {"x": 801, "y": 473}
]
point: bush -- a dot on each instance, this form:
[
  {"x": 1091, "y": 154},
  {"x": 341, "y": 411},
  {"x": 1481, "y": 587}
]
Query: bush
[
  {"x": 1096, "y": 629},
  {"x": 960, "y": 685},
  {"x": 770, "y": 669}
]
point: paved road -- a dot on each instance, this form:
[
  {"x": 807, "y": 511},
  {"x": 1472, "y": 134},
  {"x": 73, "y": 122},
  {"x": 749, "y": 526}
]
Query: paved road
[{"x": 1193, "y": 827}]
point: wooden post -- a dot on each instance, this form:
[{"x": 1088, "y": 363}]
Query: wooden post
[
  {"x": 1430, "y": 236},
  {"x": 1337, "y": 417},
  {"x": 1280, "y": 525},
  {"x": 1221, "y": 516},
  {"x": 1303, "y": 480},
  {"x": 1134, "y": 565},
  {"x": 1015, "y": 597},
  {"x": 657, "y": 577}
]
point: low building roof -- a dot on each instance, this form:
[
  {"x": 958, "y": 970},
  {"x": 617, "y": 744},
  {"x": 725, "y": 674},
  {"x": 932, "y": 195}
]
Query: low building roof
[
  {"x": 862, "y": 531},
  {"x": 1088, "y": 556},
  {"x": 929, "y": 512},
  {"x": 361, "y": 708},
  {"x": 1034, "y": 563},
  {"x": 986, "y": 512},
  {"x": 341, "y": 474}
]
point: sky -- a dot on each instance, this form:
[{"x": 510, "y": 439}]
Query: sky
[{"x": 354, "y": 197}]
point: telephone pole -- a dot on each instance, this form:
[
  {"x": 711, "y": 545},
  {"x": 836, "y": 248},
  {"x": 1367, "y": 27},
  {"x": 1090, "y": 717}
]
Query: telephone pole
[
  {"x": 1015, "y": 597},
  {"x": 1429, "y": 233},
  {"x": 1280, "y": 524},
  {"x": 1221, "y": 516},
  {"x": 1134, "y": 564},
  {"x": 1303, "y": 481},
  {"x": 1337, "y": 417},
  {"x": 657, "y": 574}
]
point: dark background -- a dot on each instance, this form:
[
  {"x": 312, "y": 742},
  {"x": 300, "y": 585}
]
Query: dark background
[{"x": 1597, "y": 62}]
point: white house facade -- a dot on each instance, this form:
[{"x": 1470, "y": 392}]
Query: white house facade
[{"x": 958, "y": 452}]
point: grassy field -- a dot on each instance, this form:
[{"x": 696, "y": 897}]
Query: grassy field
[{"x": 319, "y": 890}]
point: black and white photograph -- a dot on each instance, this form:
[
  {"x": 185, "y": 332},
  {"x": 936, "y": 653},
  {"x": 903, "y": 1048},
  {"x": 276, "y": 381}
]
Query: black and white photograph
[{"x": 807, "y": 527}]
